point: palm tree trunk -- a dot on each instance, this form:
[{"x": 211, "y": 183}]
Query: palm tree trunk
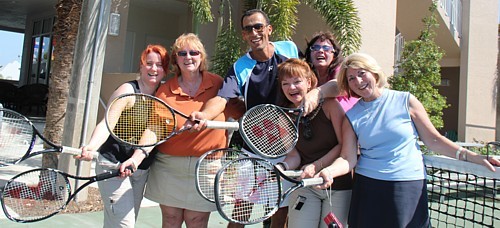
[{"x": 65, "y": 34}]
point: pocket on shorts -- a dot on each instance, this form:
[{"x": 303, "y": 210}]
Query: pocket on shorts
[{"x": 120, "y": 207}]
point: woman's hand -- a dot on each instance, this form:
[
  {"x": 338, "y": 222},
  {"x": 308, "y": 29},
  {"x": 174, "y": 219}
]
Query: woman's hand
[
  {"x": 308, "y": 171},
  {"x": 128, "y": 167},
  {"x": 87, "y": 153},
  {"x": 327, "y": 178}
]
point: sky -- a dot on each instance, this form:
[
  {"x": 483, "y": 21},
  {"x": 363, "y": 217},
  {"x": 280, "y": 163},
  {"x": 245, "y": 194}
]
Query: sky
[{"x": 11, "y": 47}]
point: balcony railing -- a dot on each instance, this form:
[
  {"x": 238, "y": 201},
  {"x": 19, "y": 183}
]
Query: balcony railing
[
  {"x": 453, "y": 9},
  {"x": 398, "y": 51}
]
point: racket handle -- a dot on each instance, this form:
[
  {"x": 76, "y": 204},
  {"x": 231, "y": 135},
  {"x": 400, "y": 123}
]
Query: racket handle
[
  {"x": 293, "y": 173},
  {"x": 312, "y": 181},
  {"x": 223, "y": 125},
  {"x": 75, "y": 151}
]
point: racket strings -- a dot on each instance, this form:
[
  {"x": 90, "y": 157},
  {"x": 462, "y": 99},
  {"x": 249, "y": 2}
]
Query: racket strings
[
  {"x": 35, "y": 195},
  {"x": 16, "y": 137},
  {"x": 270, "y": 131},
  {"x": 208, "y": 168},
  {"x": 140, "y": 113},
  {"x": 249, "y": 191}
]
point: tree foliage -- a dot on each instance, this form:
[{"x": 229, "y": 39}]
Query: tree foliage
[
  {"x": 227, "y": 46},
  {"x": 201, "y": 10},
  {"x": 420, "y": 70},
  {"x": 340, "y": 15}
]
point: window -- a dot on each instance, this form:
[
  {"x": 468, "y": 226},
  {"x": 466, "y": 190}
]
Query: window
[{"x": 41, "y": 51}]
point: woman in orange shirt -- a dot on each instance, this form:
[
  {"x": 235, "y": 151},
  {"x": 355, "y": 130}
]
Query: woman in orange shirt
[{"x": 172, "y": 181}]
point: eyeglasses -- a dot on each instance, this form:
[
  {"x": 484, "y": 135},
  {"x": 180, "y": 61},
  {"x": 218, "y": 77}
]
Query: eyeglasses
[
  {"x": 185, "y": 53},
  {"x": 258, "y": 28},
  {"x": 319, "y": 47}
]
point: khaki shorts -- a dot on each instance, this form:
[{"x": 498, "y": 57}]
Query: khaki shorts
[
  {"x": 172, "y": 183},
  {"x": 317, "y": 205}
]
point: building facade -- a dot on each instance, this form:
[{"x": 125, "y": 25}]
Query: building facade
[{"x": 468, "y": 34}]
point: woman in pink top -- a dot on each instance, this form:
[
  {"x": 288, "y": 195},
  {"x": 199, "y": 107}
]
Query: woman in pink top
[{"x": 324, "y": 55}]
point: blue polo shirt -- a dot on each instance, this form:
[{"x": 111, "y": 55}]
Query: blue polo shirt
[{"x": 257, "y": 81}]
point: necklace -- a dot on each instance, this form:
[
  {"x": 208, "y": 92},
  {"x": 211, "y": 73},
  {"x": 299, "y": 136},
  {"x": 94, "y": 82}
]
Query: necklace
[{"x": 190, "y": 88}]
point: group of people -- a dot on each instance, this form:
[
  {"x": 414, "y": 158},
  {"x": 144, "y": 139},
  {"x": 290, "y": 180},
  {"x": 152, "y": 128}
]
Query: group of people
[{"x": 358, "y": 135}]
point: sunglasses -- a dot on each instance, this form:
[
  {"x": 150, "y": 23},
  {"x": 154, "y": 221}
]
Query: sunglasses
[
  {"x": 319, "y": 47},
  {"x": 185, "y": 53},
  {"x": 258, "y": 28}
]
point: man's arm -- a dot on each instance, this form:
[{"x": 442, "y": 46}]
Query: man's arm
[{"x": 210, "y": 110}]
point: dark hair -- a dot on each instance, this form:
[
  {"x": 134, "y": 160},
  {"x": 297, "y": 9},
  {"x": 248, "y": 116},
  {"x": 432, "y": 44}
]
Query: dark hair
[
  {"x": 290, "y": 68},
  {"x": 156, "y": 48},
  {"x": 322, "y": 36},
  {"x": 252, "y": 12}
]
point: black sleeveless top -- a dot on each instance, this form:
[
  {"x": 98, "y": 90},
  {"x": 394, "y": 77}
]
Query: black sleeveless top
[
  {"x": 120, "y": 152},
  {"x": 320, "y": 140}
]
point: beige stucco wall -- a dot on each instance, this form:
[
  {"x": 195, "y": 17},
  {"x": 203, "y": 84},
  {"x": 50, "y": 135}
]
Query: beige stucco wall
[
  {"x": 477, "y": 109},
  {"x": 378, "y": 29}
]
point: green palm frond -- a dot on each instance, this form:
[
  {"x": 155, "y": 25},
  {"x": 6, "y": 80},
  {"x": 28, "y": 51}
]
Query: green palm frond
[
  {"x": 283, "y": 17},
  {"x": 342, "y": 17},
  {"x": 201, "y": 10},
  {"x": 227, "y": 44}
]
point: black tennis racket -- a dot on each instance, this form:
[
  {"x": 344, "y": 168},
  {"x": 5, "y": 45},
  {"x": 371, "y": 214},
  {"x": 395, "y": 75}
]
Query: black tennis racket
[
  {"x": 248, "y": 190},
  {"x": 18, "y": 136},
  {"x": 207, "y": 166},
  {"x": 269, "y": 130},
  {"x": 41, "y": 193}
]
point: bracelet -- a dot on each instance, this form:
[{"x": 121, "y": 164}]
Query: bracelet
[
  {"x": 146, "y": 154},
  {"x": 464, "y": 155},
  {"x": 284, "y": 165},
  {"x": 457, "y": 154}
]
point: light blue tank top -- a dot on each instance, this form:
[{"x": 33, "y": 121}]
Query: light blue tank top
[{"x": 387, "y": 138}]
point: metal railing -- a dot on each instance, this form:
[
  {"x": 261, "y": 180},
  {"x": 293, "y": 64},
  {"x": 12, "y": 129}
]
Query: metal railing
[
  {"x": 399, "y": 42},
  {"x": 453, "y": 9}
]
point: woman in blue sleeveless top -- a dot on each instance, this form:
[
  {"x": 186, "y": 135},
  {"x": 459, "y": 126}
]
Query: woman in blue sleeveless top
[{"x": 389, "y": 184}]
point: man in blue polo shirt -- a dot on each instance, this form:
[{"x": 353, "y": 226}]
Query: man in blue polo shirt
[{"x": 254, "y": 75}]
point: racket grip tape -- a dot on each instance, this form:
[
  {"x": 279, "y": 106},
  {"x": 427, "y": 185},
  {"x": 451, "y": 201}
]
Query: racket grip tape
[
  {"x": 312, "y": 181},
  {"x": 292, "y": 173},
  {"x": 223, "y": 125},
  {"x": 75, "y": 151}
]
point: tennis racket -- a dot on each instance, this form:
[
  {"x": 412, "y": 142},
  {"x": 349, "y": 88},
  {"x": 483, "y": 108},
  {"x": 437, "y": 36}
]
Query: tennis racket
[
  {"x": 248, "y": 190},
  {"x": 268, "y": 130},
  {"x": 141, "y": 120},
  {"x": 18, "y": 136},
  {"x": 208, "y": 165},
  {"x": 41, "y": 193}
]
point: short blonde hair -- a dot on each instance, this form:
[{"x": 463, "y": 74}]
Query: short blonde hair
[
  {"x": 188, "y": 39},
  {"x": 360, "y": 61}
]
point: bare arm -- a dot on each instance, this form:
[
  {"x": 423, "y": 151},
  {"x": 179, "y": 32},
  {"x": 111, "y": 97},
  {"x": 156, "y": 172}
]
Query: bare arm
[
  {"x": 336, "y": 115},
  {"x": 211, "y": 109},
  {"x": 438, "y": 143},
  {"x": 348, "y": 156},
  {"x": 328, "y": 90},
  {"x": 101, "y": 133}
]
